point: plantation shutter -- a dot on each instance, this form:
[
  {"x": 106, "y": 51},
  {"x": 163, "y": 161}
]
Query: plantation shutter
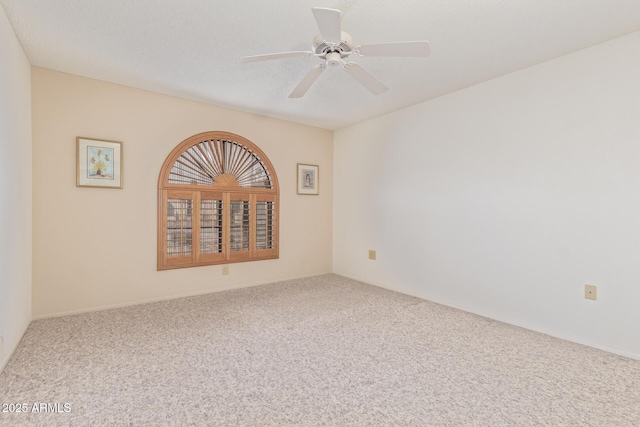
[{"x": 218, "y": 203}]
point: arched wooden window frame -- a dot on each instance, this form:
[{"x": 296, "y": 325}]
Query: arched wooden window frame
[{"x": 224, "y": 192}]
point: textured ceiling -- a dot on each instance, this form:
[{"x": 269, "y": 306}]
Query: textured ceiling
[{"x": 191, "y": 48}]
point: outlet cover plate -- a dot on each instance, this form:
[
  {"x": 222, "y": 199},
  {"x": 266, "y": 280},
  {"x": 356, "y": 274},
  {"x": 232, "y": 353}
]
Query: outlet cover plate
[
  {"x": 590, "y": 292},
  {"x": 372, "y": 254}
]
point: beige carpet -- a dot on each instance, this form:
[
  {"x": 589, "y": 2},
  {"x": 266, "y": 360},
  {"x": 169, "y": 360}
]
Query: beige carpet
[{"x": 319, "y": 351}]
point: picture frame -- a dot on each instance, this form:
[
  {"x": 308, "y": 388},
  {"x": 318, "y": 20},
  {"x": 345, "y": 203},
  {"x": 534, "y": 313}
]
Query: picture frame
[
  {"x": 308, "y": 179},
  {"x": 98, "y": 163}
]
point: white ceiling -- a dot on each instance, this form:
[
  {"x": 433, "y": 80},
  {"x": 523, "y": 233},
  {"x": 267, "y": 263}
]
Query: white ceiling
[{"x": 191, "y": 48}]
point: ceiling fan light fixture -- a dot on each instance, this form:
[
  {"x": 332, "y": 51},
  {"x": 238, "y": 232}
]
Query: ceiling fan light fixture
[
  {"x": 333, "y": 59},
  {"x": 334, "y": 47}
]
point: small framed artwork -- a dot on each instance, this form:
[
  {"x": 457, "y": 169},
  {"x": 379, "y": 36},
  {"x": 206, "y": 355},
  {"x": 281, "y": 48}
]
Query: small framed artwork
[
  {"x": 98, "y": 163},
  {"x": 308, "y": 179}
]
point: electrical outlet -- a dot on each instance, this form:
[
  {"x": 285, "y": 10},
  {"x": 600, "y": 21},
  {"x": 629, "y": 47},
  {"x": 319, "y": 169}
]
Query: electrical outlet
[
  {"x": 590, "y": 292},
  {"x": 372, "y": 254},
  {"x": 225, "y": 270}
]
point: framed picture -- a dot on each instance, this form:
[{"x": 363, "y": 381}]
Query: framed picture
[
  {"x": 98, "y": 163},
  {"x": 308, "y": 179}
]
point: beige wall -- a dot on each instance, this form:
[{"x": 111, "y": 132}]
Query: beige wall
[
  {"x": 96, "y": 248},
  {"x": 15, "y": 191}
]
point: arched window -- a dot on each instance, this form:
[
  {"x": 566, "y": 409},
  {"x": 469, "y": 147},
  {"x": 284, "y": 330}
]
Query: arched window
[{"x": 217, "y": 203}]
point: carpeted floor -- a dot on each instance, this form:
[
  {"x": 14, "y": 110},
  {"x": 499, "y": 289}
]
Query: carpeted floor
[{"x": 320, "y": 351}]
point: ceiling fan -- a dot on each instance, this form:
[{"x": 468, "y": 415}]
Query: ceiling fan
[{"x": 334, "y": 47}]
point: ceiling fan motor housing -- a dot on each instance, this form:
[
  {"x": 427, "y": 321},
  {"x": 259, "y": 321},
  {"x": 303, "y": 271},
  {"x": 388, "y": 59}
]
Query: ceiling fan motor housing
[{"x": 331, "y": 52}]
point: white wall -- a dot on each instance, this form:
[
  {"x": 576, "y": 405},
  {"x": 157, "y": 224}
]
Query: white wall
[
  {"x": 505, "y": 198},
  {"x": 15, "y": 191},
  {"x": 95, "y": 248}
]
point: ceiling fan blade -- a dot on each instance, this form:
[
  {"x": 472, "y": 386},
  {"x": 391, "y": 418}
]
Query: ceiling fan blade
[
  {"x": 271, "y": 56},
  {"x": 329, "y": 24},
  {"x": 307, "y": 81},
  {"x": 409, "y": 49},
  {"x": 365, "y": 78}
]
